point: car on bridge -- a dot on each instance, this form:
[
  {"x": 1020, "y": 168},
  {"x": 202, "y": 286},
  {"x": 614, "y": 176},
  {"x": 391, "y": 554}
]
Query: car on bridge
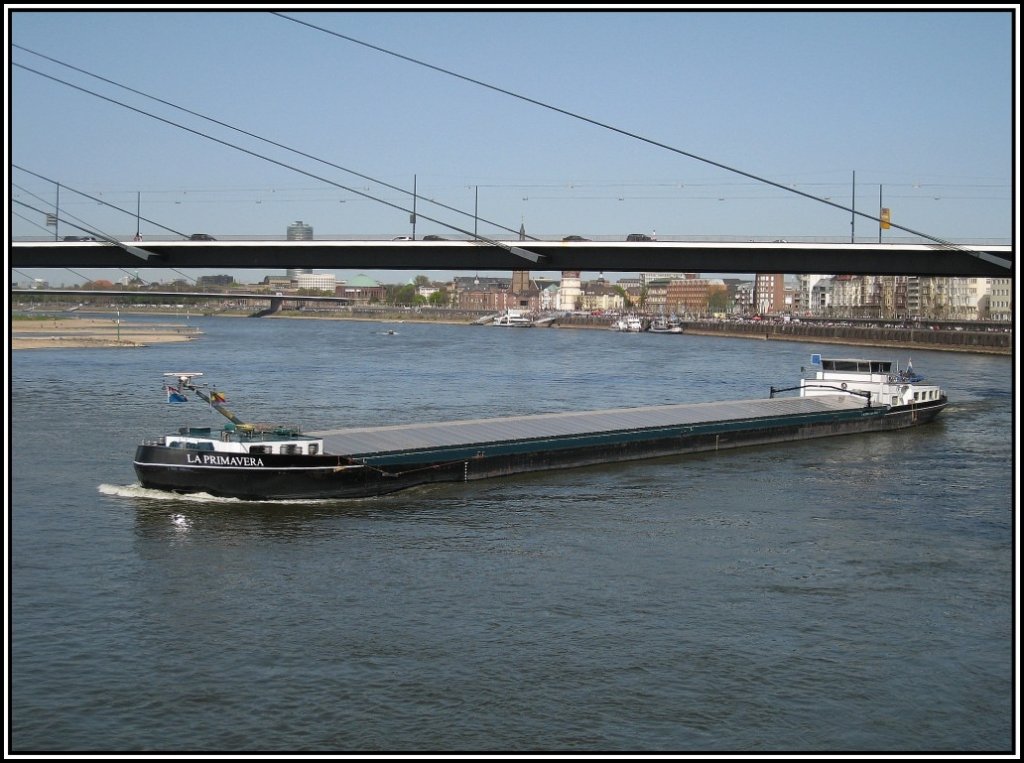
[
  {"x": 575, "y": 238},
  {"x": 638, "y": 237},
  {"x": 201, "y": 237}
]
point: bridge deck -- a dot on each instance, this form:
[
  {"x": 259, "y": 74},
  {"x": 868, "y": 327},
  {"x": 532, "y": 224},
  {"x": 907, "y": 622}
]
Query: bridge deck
[{"x": 592, "y": 256}]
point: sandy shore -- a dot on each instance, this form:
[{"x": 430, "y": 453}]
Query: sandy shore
[{"x": 88, "y": 332}]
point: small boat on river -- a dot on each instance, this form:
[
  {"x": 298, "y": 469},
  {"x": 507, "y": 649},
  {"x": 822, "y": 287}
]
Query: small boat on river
[
  {"x": 514, "y": 319},
  {"x": 274, "y": 462},
  {"x": 662, "y": 325},
  {"x": 629, "y": 323}
]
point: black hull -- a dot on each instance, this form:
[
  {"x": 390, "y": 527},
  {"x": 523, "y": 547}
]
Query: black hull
[{"x": 281, "y": 477}]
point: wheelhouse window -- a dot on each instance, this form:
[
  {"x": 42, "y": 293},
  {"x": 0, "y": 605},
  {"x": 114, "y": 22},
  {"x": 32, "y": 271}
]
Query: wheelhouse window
[
  {"x": 291, "y": 449},
  {"x": 261, "y": 449},
  {"x": 858, "y": 366}
]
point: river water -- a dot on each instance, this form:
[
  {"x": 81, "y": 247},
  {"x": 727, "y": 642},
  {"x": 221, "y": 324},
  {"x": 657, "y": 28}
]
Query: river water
[{"x": 846, "y": 595}]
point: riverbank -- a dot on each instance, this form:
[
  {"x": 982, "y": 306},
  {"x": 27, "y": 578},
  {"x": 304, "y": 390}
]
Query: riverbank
[
  {"x": 904, "y": 338},
  {"x": 65, "y": 333},
  {"x": 977, "y": 342}
]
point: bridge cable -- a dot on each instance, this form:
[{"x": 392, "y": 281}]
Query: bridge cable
[
  {"x": 515, "y": 250},
  {"x": 628, "y": 134},
  {"x": 265, "y": 140},
  {"x": 30, "y": 221},
  {"x": 85, "y": 230},
  {"x": 133, "y": 250},
  {"x": 92, "y": 198},
  {"x": 32, "y": 278}
]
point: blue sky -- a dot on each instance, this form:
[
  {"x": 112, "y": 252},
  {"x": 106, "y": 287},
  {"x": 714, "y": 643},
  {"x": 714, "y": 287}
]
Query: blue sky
[{"x": 918, "y": 103}]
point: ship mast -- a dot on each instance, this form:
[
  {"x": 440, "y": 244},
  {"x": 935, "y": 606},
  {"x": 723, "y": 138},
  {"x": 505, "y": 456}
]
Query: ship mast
[{"x": 185, "y": 382}]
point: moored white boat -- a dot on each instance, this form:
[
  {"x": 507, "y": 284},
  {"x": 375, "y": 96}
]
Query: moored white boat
[
  {"x": 629, "y": 323},
  {"x": 514, "y": 319},
  {"x": 662, "y": 325}
]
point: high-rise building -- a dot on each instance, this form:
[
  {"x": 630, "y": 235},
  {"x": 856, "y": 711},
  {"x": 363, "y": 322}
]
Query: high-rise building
[{"x": 299, "y": 231}]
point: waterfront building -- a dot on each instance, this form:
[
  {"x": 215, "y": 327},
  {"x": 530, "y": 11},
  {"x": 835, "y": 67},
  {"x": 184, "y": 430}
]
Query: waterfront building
[
  {"x": 647, "y": 278},
  {"x": 316, "y": 281},
  {"x": 476, "y": 293},
  {"x": 803, "y": 302},
  {"x": 932, "y": 297},
  {"x": 973, "y": 298},
  {"x": 1000, "y": 299},
  {"x": 743, "y": 298},
  {"x": 655, "y": 296},
  {"x": 945, "y": 298},
  {"x": 869, "y": 300},
  {"x": 894, "y": 297},
  {"x": 821, "y": 296},
  {"x": 549, "y": 298},
  {"x": 218, "y": 280},
  {"x": 569, "y": 291},
  {"x": 492, "y": 300},
  {"x": 278, "y": 283},
  {"x": 846, "y": 295},
  {"x": 601, "y": 297},
  {"x": 470, "y": 283},
  {"x": 769, "y": 293},
  {"x": 427, "y": 290},
  {"x": 525, "y": 291},
  {"x": 362, "y": 290},
  {"x": 692, "y": 295}
]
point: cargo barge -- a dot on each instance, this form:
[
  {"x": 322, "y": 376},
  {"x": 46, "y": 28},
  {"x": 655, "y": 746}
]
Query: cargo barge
[{"x": 268, "y": 462}]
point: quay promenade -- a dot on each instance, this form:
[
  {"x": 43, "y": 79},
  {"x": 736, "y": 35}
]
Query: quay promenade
[{"x": 988, "y": 342}]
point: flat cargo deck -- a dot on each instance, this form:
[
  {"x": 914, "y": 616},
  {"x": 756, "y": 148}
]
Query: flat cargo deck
[{"x": 367, "y": 441}]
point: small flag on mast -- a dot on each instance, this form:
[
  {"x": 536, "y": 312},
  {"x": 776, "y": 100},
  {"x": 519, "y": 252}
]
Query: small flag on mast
[{"x": 174, "y": 395}]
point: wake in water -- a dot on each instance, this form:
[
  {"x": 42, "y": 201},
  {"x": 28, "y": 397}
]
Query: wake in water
[{"x": 136, "y": 490}]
